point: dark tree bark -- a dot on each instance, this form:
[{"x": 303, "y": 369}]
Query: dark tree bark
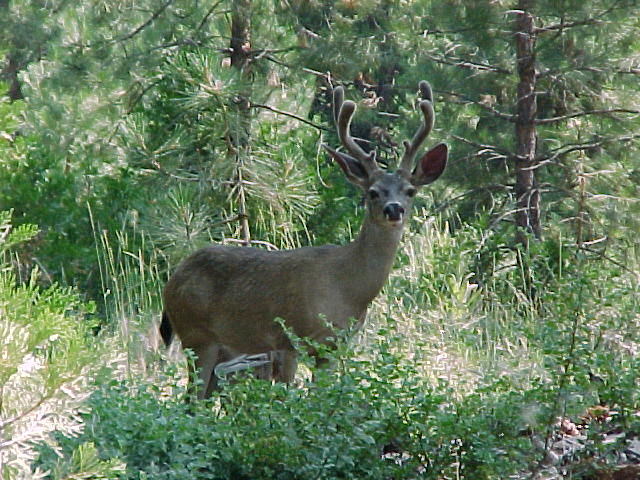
[
  {"x": 12, "y": 66},
  {"x": 527, "y": 193},
  {"x": 388, "y": 64},
  {"x": 10, "y": 74},
  {"x": 241, "y": 35},
  {"x": 241, "y": 60}
]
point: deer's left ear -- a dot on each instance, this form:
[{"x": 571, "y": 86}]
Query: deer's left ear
[
  {"x": 430, "y": 166},
  {"x": 352, "y": 168}
]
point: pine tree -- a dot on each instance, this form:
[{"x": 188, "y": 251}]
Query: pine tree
[
  {"x": 131, "y": 101},
  {"x": 534, "y": 88}
]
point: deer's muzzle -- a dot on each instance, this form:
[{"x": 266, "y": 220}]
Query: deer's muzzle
[{"x": 393, "y": 211}]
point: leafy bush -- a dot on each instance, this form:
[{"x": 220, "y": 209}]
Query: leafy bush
[
  {"x": 364, "y": 418},
  {"x": 459, "y": 385},
  {"x": 53, "y": 190},
  {"x": 47, "y": 358}
]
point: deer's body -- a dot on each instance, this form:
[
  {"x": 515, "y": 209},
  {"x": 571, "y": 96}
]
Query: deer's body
[
  {"x": 233, "y": 294},
  {"x": 222, "y": 301}
]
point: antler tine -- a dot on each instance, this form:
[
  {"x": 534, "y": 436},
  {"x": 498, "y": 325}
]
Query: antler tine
[
  {"x": 343, "y": 112},
  {"x": 425, "y": 90},
  {"x": 338, "y": 99},
  {"x": 411, "y": 148}
]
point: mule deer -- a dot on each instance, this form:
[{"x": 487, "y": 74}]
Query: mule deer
[{"x": 222, "y": 301}]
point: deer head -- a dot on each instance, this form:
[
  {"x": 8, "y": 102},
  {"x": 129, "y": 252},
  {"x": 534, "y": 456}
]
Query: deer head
[{"x": 388, "y": 196}]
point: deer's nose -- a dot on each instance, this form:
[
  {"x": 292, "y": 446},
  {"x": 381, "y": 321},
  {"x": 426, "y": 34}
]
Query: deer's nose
[{"x": 393, "y": 211}]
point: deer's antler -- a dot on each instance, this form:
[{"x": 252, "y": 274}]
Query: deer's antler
[
  {"x": 342, "y": 113},
  {"x": 411, "y": 147}
]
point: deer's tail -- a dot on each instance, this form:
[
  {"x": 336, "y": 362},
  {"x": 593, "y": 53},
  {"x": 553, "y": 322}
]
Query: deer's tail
[{"x": 166, "y": 331}]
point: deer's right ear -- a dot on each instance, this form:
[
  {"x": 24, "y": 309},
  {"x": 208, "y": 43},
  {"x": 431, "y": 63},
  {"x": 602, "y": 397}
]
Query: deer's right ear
[
  {"x": 352, "y": 168},
  {"x": 430, "y": 166}
]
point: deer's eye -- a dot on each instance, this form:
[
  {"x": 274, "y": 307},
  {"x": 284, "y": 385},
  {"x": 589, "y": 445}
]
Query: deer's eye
[
  {"x": 373, "y": 194},
  {"x": 411, "y": 192}
]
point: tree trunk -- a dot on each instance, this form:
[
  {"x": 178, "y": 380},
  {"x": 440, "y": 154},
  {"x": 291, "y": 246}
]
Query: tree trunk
[
  {"x": 12, "y": 66},
  {"x": 527, "y": 193},
  {"x": 241, "y": 34},
  {"x": 10, "y": 74},
  {"x": 241, "y": 60}
]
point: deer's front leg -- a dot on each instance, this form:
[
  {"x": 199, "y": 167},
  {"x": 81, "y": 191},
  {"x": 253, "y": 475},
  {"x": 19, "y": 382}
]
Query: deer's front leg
[{"x": 285, "y": 364}]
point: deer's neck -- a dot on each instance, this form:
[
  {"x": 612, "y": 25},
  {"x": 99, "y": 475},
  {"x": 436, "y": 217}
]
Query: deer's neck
[{"x": 371, "y": 256}]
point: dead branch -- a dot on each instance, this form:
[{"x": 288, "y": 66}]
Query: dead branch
[
  {"x": 492, "y": 148},
  {"x": 562, "y": 26},
  {"x": 288, "y": 114},
  {"x": 544, "y": 121},
  {"x": 567, "y": 149},
  {"x": 468, "y": 64},
  {"x": 269, "y": 246},
  {"x": 149, "y": 21},
  {"x": 466, "y": 100}
]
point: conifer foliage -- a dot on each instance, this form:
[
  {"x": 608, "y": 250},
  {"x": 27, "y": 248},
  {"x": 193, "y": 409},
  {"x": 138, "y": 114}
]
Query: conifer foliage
[{"x": 133, "y": 132}]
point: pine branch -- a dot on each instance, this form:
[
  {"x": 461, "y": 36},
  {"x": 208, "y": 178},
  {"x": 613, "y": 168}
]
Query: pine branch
[
  {"x": 609, "y": 259},
  {"x": 468, "y": 64},
  {"x": 288, "y": 114},
  {"x": 466, "y": 100},
  {"x": 544, "y": 121},
  {"x": 326, "y": 75},
  {"x": 5, "y": 423},
  {"x": 497, "y": 187},
  {"x": 436, "y": 31},
  {"x": 205, "y": 19},
  {"x": 630, "y": 71},
  {"x": 562, "y": 26},
  {"x": 266, "y": 51},
  {"x": 149, "y": 21},
  {"x": 485, "y": 147},
  {"x": 188, "y": 41},
  {"x": 596, "y": 20},
  {"x": 131, "y": 104},
  {"x": 567, "y": 149}
]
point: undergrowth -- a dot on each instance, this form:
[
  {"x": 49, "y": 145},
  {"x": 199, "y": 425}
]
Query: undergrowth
[{"x": 455, "y": 376}]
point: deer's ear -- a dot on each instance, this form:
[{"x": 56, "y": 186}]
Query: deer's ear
[
  {"x": 352, "y": 168},
  {"x": 430, "y": 166}
]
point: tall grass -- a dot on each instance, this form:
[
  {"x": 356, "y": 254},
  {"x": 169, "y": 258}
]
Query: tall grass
[
  {"x": 132, "y": 275},
  {"x": 452, "y": 324}
]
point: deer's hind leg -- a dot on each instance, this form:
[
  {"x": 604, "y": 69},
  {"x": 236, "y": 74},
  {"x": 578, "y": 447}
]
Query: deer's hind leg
[
  {"x": 224, "y": 355},
  {"x": 207, "y": 355}
]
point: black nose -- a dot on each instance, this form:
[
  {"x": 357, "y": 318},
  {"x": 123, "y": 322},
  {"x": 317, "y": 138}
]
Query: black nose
[{"x": 393, "y": 211}]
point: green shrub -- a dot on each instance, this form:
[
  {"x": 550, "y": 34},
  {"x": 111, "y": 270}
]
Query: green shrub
[
  {"x": 364, "y": 418},
  {"x": 47, "y": 358},
  {"x": 457, "y": 385}
]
